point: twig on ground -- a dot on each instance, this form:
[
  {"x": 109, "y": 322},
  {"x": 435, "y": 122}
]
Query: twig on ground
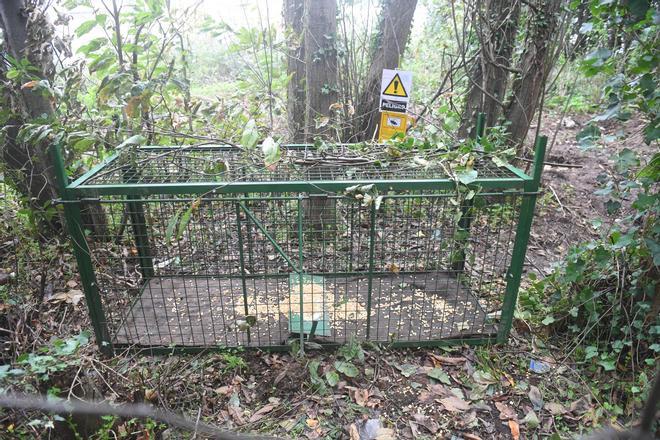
[
  {"x": 557, "y": 198},
  {"x": 552, "y": 164},
  {"x": 22, "y": 401}
]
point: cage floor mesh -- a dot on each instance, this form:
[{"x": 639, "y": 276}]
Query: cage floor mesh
[{"x": 187, "y": 311}]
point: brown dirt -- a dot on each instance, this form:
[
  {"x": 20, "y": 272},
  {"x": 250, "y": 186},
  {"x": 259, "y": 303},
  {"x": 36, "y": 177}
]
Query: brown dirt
[{"x": 567, "y": 204}]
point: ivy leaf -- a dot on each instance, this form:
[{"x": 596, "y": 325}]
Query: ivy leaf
[
  {"x": 590, "y": 352},
  {"x": 587, "y": 137},
  {"x": 548, "y": 320},
  {"x": 332, "y": 378},
  {"x": 595, "y": 60},
  {"x": 607, "y": 364},
  {"x": 347, "y": 368},
  {"x": 625, "y": 160},
  {"x": 654, "y": 247},
  {"x": 407, "y": 370},
  {"x": 272, "y": 153},
  {"x": 467, "y": 177},
  {"x": 137, "y": 139},
  {"x": 439, "y": 375},
  {"x": 250, "y": 135}
]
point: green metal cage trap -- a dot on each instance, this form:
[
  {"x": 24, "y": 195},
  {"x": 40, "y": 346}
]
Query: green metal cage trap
[{"x": 198, "y": 247}]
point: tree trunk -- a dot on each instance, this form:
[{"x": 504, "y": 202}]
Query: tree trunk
[
  {"x": 29, "y": 165},
  {"x": 535, "y": 64},
  {"x": 320, "y": 38},
  {"x": 387, "y": 50},
  {"x": 295, "y": 101},
  {"x": 490, "y": 72}
]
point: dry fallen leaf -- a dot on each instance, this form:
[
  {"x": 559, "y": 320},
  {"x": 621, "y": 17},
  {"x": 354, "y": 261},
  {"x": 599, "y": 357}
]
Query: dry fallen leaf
[
  {"x": 535, "y": 397},
  {"x": 515, "y": 429},
  {"x": 427, "y": 422},
  {"x": 455, "y": 404},
  {"x": 73, "y": 296},
  {"x": 555, "y": 408},
  {"x": 506, "y": 412},
  {"x": 236, "y": 414},
  {"x": 261, "y": 413},
  {"x": 150, "y": 394},
  {"x": 29, "y": 85},
  {"x": 361, "y": 396},
  {"x": 224, "y": 390},
  {"x": 447, "y": 360},
  {"x": 353, "y": 432},
  {"x": 312, "y": 423}
]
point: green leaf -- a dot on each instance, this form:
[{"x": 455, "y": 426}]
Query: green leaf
[
  {"x": 467, "y": 177},
  {"x": 13, "y": 74},
  {"x": 86, "y": 27},
  {"x": 587, "y": 137},
  {"x": 654, "y": 247},
  {"x": 250, "y": 135},
  {"x": 638, "y": 8},
  {"x": 548, "y": 320},
  {"x": 652, "y": 169},
  {"x": 137, "y": 139},
  {"x": 499, "y": 161},
  {"x": 347, "y": 368},
  {"x": 586, "y": 27},
  {"x": 590, "y": 352},
  {"x": 332, "y": 378},
  {"x": 439, "y": 375},
  {"x": 271, "y": 150},
  {"x": 607, "y": 364},
  {"x": 171, "y": 225},
  {"x": 185, "y": 219},
  {"x": 407, "y": 369},
  {"x": 626, "y": 159}
]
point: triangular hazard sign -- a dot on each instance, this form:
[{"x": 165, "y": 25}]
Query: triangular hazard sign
[{"x": 395, "y": 88}]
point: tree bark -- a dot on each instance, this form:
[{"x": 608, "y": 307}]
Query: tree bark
[
  {"x": 535, "y": 64},
  {"x": 29, "y": 164},
  {"x": 320, "y": 38},
  {"x": 490, "y": 72},
  {"x": 387, "y": 50},
  {"x": 295, "y": 101}
]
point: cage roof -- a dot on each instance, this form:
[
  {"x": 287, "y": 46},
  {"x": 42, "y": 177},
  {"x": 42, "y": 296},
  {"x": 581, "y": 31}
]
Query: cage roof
[{"x": 229, "y": 169}]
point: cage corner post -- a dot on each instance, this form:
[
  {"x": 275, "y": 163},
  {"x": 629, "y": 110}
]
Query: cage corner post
[
  {"x": 525, "y": 218},
  {"x": 81, "y": 251}
]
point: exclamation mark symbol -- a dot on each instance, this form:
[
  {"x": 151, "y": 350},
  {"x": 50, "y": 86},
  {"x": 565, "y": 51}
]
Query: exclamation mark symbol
[{"x": 396, "y": 86}]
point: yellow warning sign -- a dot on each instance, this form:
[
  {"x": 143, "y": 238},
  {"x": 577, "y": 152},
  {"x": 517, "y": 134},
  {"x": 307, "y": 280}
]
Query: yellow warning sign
[
  {"x": 390, "y": 124},
  {"x": 395, "y": 88}
]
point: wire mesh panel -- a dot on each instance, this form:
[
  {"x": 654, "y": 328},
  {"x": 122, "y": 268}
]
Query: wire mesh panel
[{"x": 174, "y": 264}]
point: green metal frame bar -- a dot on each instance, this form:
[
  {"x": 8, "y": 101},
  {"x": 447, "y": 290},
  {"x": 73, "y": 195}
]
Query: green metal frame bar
[
  {"x": 372, "y": 245},
  {"x": 525, "y": 219},
  {"x": 83, "y": 255},
  {"x": 333, "y": 186},
  {"x": 486, "y": 339},
  {"x": 300, "y": 273},
  {"x": 92, "y": 172},
  {"x": 293, "y": 198}
]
